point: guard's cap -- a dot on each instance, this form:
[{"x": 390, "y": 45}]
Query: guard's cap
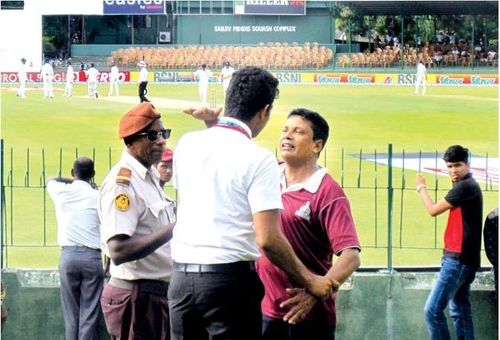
[
  {"x": 167, "y": 155},
  {"x": 137, "y": 118}
]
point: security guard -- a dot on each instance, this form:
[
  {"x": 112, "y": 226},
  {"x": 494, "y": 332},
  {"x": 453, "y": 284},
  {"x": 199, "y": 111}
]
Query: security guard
[{"x": 136, "y": 226}]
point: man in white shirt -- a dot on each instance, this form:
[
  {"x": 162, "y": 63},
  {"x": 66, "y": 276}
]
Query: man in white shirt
[
  {"x": 80, "y": 267},
  {"x": 113, "y": 79},
  {"x": 229, "y": 190},
  {"x": 23, "y": 76},
  {"x": 47, "y": 77},
  {"x": 203, "y": 75},
  {"x": 225, "y": 75},
  {"x": 421, "y": 74},
  {"x": 143, "y": 82},
  {"x": 92, "y": 80},
  {"x": 70, "y": 74}
]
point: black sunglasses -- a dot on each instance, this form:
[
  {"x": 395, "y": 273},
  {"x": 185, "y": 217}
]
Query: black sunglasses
[{"x": 153, "y": 135}]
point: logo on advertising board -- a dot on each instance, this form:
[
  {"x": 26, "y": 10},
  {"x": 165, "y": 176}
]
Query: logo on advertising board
[
  {"x": 270, "y": 7},
  {"x": 484, "y": 80},
  {"x": 133, "y": 7},
  {"x": 289, "y": 77},
  {"x": 357, "y": 79},
  {"x": 453, "y": 80},
  {"x": 483, "y": 169},
  {"x": 329, "y": 78},
  {"x": 406, "y": 79},
  {"x": 35, "y": 77}
]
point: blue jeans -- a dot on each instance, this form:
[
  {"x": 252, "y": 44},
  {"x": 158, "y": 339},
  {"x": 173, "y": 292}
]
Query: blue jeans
[{"x": 451, "y": 288}]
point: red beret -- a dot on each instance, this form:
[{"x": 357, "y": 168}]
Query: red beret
[
  {"x": 137, "y": 119},
  {"x": 167, "y": 155}
]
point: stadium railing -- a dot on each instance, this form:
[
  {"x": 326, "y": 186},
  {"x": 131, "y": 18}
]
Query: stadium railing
[{"x": 389, "y": 215}]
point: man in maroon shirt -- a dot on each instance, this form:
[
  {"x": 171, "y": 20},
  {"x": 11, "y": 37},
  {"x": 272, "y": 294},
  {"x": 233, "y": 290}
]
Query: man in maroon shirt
[
  {"x": 317, "y": 222},
  {"x": 462, "y": 247}
]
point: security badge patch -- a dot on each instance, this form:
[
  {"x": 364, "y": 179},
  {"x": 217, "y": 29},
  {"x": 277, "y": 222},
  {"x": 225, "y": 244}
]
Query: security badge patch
[{"x": 122, "y": 201}]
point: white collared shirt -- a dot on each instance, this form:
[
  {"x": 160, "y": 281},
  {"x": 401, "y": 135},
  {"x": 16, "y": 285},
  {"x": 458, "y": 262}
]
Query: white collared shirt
[
  {"x": 92, "y": 75},
  {"x": 22, "y": 74},
  {"x": 113, "y": 74},
  {"x": 69, "y": 74},
  {"x": 312, "y": 184},
  {"x": 148, "y": 210},
  {"x": 223, "y": 178},
  {"x": 421, "y": 70},
  {"x": 203, "y": 76},
  {"x": 143, "y": 75},
  {"x": 225, "y": 74},
  {"x": 47, "y": 71},
  {"x": 76, "y": 213}
]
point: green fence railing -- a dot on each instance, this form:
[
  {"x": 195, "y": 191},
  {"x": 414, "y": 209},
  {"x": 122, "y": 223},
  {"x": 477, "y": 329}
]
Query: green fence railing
[{"x": 393, "y": 226}]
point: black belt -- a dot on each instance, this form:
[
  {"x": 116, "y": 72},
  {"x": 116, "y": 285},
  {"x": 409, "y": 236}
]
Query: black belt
[
  {"x": 222, "y": 268},
  {"x": 143, "y": 285},
  {"x": 451, "y": 255},
  {"x": 80, "y": 247}
]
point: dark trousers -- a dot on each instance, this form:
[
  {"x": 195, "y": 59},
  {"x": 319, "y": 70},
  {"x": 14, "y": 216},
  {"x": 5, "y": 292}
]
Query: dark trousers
[
  {"x": 143, "y": 90},
  {"x": 277, "y": 329},
  {"x": 82, "y": 278},
  {"x": 138, "y": 313},
  {"x": 216, "y": 306}
]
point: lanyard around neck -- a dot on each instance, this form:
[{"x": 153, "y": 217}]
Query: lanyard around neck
[{"x": 233, "y": 126}]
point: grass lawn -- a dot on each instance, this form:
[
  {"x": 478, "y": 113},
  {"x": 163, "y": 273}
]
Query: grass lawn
[{"x": 42, "y": 137}]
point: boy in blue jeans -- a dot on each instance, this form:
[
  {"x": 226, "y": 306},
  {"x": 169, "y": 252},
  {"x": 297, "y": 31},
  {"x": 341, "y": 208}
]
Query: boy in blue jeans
[{"x": 462, "y": 247}]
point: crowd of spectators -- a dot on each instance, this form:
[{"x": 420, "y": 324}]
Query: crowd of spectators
[{"x": 447, "y": 50}]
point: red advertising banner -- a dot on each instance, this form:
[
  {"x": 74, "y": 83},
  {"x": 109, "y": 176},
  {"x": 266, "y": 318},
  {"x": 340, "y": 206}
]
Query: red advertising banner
[{"x": 35, "y": 77}]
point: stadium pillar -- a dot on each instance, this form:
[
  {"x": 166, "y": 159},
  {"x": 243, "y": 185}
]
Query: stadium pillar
[
  {"x": 350, "y": 35},
  {"x": 132, "y": 29},
  {"x": 69, "y": 36},
  {"x": 369, "y": 34},
  {"x": 402, "y": 44},
  {"x": 472, "y": 45},
  {"x": 485, "y": 35},
  {"x": 84, "y": 34}
]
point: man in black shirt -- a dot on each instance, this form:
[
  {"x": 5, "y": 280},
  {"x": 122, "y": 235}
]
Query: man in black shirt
[{"x": 462, "y": 247}]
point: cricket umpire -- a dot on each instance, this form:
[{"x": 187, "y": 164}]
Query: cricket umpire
[{"x": 136, "y": 226}]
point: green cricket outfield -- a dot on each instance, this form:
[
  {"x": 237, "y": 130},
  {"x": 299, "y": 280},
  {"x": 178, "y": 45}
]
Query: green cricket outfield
[{"x": 47, "y": 134}]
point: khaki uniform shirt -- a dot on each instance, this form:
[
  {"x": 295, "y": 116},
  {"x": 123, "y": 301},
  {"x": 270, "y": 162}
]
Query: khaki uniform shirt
[{"x": 131, "y": 202}]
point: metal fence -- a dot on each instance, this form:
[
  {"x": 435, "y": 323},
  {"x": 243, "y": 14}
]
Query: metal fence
[{"x": 388, "y": 213}]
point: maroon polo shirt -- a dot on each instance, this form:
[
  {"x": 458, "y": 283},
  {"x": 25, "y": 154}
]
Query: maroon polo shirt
[{"x": 317, "y": 222}]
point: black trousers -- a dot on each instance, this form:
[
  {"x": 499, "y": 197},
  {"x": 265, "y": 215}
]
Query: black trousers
[
  {"x": 277, "y": 329},
  {"x": 143, "y": 90},
  {"x": 216, "y": 306}
]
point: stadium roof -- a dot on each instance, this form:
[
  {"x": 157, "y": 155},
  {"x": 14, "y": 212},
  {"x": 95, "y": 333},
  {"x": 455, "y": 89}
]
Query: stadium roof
[{"x": 425, "y": 7}]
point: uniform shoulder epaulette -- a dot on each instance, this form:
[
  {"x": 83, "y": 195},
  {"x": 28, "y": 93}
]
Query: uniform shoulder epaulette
[{"x": 123, "y": 176}]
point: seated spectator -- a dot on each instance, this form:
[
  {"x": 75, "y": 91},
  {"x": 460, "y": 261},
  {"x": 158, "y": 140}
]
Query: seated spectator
[{"x": 437, "y": 58}]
